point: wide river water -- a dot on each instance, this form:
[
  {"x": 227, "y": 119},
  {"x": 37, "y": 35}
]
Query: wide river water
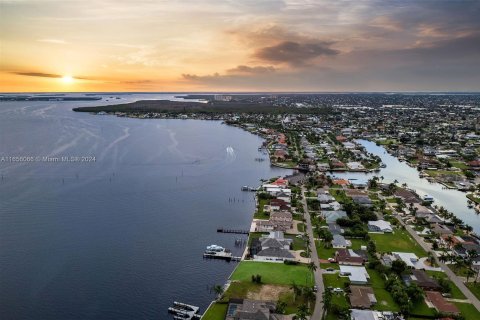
[
  {"x": 453, "y": 200},
  {"x": 121, "y": 237}
]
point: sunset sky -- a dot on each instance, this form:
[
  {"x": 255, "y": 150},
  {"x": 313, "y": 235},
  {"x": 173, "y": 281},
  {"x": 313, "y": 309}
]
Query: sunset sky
[{"x": 239, "y": 45}]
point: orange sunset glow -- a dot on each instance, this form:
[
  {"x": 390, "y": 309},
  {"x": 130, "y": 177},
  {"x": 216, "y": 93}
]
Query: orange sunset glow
[{"x": 208, "y": 45}]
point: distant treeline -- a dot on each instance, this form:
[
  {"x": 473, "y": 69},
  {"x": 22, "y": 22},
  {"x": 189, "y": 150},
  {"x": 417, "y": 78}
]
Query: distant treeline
[{"x": 176, "y": 107}]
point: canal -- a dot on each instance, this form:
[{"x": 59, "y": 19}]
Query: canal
[{"x": 453, "y": 200}]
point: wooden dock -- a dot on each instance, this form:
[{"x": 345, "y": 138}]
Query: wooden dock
[{"x": 237, "y": 231}]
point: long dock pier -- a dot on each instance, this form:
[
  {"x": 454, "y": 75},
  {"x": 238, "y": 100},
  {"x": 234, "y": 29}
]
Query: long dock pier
[{"x": 237, "y": 231}]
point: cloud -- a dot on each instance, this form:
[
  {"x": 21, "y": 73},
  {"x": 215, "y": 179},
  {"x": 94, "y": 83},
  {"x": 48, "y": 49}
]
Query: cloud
[
  {"x": 242, "y": 69},
  {"x": 37, "y": 74},
  {"x": 48, "y": 75},
  {"x": 295, "y": 53}
]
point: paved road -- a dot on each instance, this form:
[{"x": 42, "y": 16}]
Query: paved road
[
  {"x": 317, "y": 313},
  {"x": 453, "y": 277}
]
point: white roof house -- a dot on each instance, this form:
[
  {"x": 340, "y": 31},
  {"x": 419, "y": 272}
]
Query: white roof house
[
  {"x": 357, "y": 314},
  {"x": 409, "y": 258},
  {"x": 357, "y": 275},
  {"x": 380, "y": 226}
]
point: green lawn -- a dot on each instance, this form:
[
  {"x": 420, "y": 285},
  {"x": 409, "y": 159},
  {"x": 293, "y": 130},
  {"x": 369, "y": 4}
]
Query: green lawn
[
  {"x": 357, "y": 243},
  {"x": 334, "y": 280},
  {"x": 434, "y": 173},
  {"x": 420, "y": 308},
  {"x": 298, "y": 243},
  {"x": 217, "y": 311},
  {"x": 255, "y": 235},
  {"x": 468, "y": 311},
  {"x": 301, "y": 227},
  {"x": 385, "y": 301},
  {"x": 330, "y": 265},
  {"x": 456, "y": 293},
  {"x": 274, "y": 273},
  {"x": 324, "y": 253},
  {"x": 260, "y": 214},
  {"x": 459, "y": 165},
  {"x": 399, "y": 241},
  {"x": 473, "y": 198},
  {"x": 474, "y": 288}
]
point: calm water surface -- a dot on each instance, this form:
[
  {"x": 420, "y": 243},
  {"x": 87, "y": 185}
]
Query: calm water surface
[
  {"x": 122, "y": 237},
  {"x": 453, "y": 200}
]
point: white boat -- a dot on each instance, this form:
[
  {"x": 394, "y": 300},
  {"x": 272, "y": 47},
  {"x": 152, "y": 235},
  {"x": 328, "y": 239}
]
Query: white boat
[
  {"x": 428, "y": 198},
  {"x": 214, "y": 249}
]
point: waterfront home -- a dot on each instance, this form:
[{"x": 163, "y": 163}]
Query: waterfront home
[
  {"x": 242, "y": 309},
  {"x": 355, "y": 166},
  {"x": 284, "y": 195},
  {"x": 339, "y": 242},
  {"x": 283, "y": 218},
  {"x": 356, "y": 275},
  {"x": 278, "y": 205},
  {"x": 440, "y": 229},
  {"x": 380, "y": 226},
  {"x": 273, "y": 248},
  {"x": 341, "y": 182},
  {"x": 361, "y": 297},
  {"x": 436, "y": 300},
  {"x": 422, "y": 279}
]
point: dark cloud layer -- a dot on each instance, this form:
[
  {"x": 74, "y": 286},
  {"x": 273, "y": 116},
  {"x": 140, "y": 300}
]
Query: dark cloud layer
[
  {"x": 242, "y": 69},
  {"x": 295, "y": 53}
]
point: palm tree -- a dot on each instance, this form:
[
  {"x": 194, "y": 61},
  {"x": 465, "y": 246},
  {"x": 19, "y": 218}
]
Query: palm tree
[
  {"x": 309, "y": 295},
  {"x": 296, "y": 290},
  {"x": 312, "y": 267},
  {"x": 327, "y": 300},
  {"x": 302, "y": 313},
  {"x": 218, "y": 289}
]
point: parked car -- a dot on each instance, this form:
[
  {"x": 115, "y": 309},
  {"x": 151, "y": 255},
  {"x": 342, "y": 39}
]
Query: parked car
[{"x": 337, "y": 290}]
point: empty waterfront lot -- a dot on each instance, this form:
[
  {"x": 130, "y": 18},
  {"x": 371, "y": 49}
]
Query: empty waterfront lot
[{"x": 274, "y": 273}]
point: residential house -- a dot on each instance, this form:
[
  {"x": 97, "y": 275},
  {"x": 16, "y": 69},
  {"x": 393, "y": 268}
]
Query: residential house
[
  {"x": 423, "y": 280},
  {"x": 243, "y": 309},
  {"x": 339, "y": 242},
  {"x": 356, "y": 275},
  {"x": 361, "y": 297},
  {"x": 349, "y": 257},
  {"x": 380, "y": 226},
  {"x": 409, "y": 258},
  {"x": 436, "y": 300}
]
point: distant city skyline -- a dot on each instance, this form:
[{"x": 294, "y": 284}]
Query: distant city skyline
[{"x": 231, "y": 46}]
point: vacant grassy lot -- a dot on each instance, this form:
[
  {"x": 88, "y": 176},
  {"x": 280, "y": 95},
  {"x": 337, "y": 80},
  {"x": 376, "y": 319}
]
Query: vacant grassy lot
[
  {"x": 217, "y": 311},
  {"x": 324, "y": 253},
  {"x": 400, "y": 241},
  {"x": 334, "y": 280},
  {"x": 468, "y": 311},
  {"x": 274, "y": 273}
]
